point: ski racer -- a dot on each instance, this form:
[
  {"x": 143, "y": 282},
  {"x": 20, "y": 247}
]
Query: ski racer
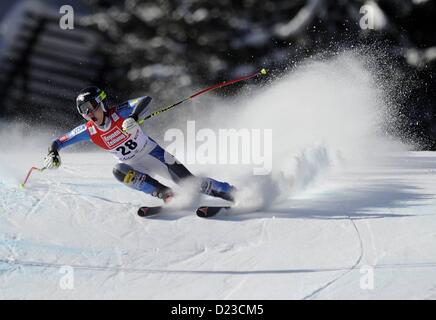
[{"x": 140, "y": 158}]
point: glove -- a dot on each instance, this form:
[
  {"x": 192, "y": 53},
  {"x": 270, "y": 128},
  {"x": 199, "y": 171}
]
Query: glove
[
  {"x": 129, "y": 124},
  {"x": 52, "y": 160}
]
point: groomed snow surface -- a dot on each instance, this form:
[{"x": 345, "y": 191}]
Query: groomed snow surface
[
  {"x": 310, "y": 247},
  {"x": 346, "y": 213}
]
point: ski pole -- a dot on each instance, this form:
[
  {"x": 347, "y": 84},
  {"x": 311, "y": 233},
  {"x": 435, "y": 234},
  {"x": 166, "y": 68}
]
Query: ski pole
[
  {"x": 262, "y": 72},
  {"x": 22, "y": 185}
]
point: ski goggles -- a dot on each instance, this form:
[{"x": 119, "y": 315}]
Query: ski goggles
[{"x": 88, "y": 107}]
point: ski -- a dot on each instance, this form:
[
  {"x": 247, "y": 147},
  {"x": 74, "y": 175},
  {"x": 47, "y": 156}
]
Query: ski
[
  {"x": 203, "y": 212},
  {"x": 149, "y": 211},
  {"x": 210, "y": 211}
]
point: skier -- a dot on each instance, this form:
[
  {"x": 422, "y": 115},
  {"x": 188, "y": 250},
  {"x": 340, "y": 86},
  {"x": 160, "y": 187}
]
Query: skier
[{"x": 116, "y": 130}]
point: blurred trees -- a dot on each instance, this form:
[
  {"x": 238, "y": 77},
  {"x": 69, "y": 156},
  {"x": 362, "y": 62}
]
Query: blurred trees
[{"x": 164, "y": 47}]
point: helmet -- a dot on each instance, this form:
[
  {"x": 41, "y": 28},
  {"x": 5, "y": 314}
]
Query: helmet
[{"x": 90, "y": 99}]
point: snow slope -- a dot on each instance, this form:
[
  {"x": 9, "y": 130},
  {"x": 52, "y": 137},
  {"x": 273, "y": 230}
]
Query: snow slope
[
  {"x": 342, "y": 198},
  {"x": 311, "y": 246}
]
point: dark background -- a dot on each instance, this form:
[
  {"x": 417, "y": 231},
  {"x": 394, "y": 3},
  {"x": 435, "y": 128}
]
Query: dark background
[{"x": 165, "y": 48}]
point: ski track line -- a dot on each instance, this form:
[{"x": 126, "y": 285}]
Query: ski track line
[
  {"x": 356, "y": 263},
  {"x": 48, "y": 265},
  {"x": 38, "y": 204}
]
